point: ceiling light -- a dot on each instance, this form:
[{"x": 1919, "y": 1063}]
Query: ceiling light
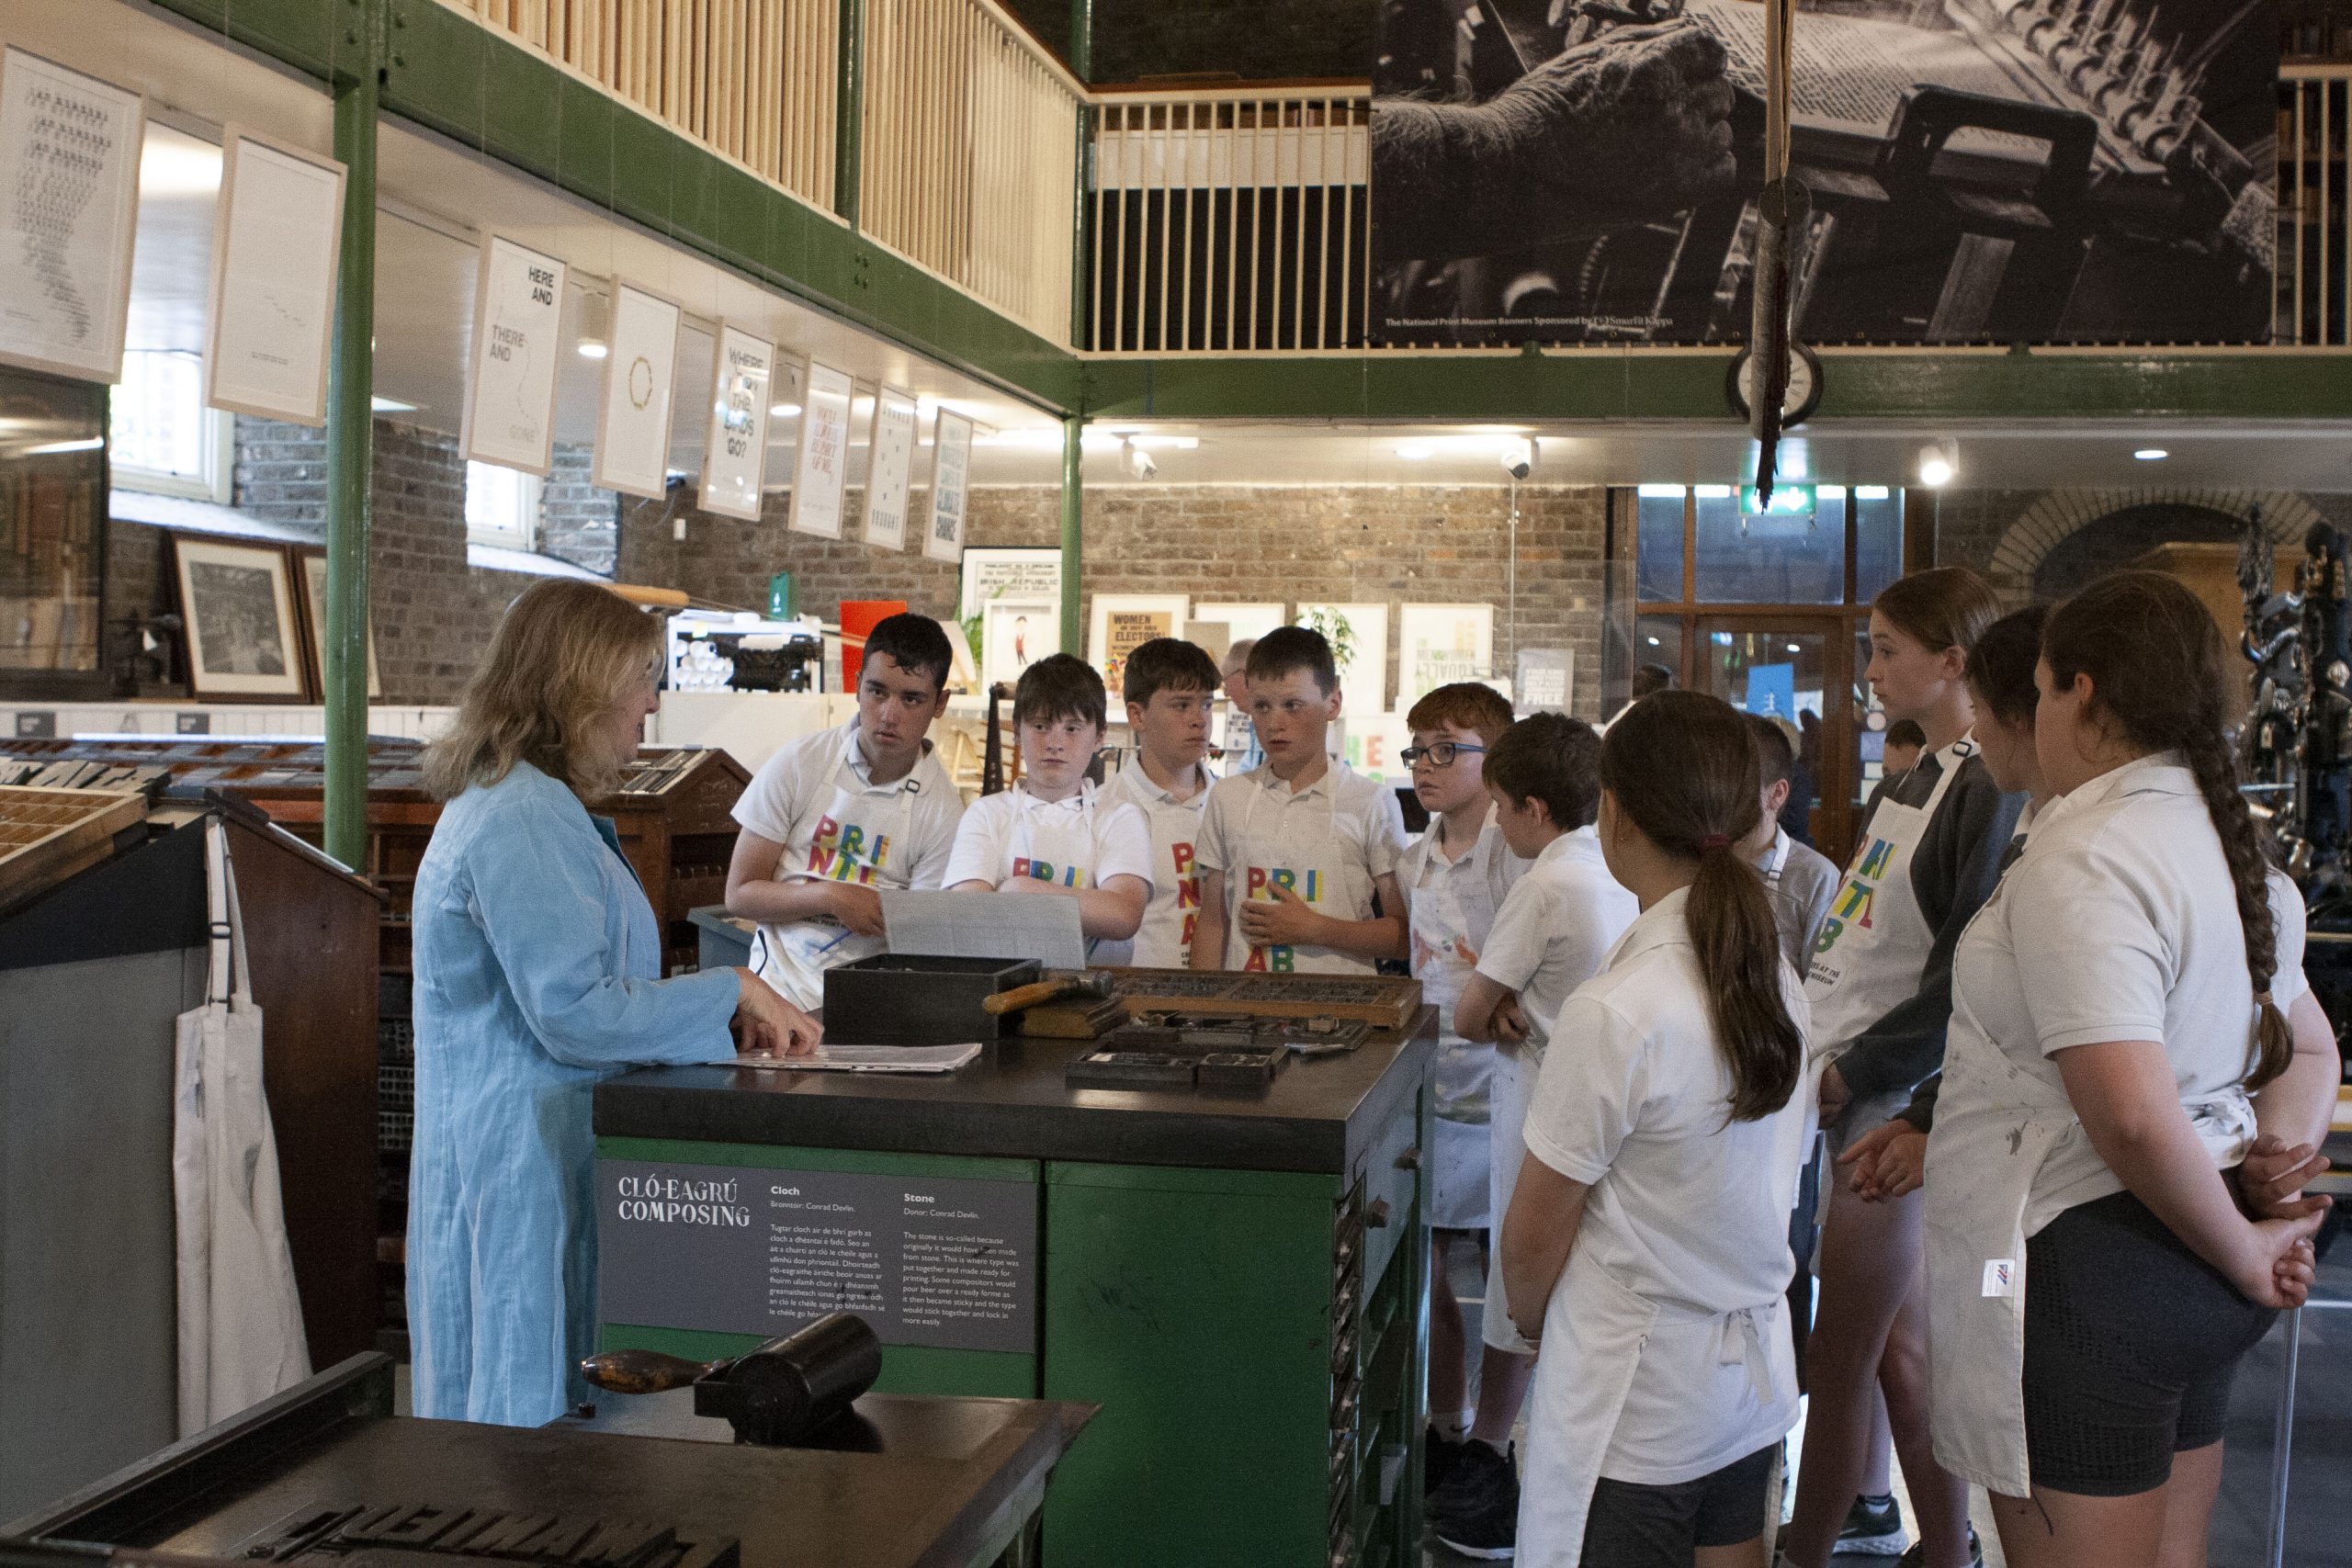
[
  {"x": 2151, "y": 453},
  {"x": 1414, "y": 454},
  {"x": 1871, "y": 493},
  {"x": 782, "y": 411},
  {"x": 590, "y": 348},
  {"x": 1795, "y": 648},
  {"x": 389, "y": 405},
  {"x": 1165, "y": 443},
  {"x": 1939, "y": 462},
  {"x": 1715, "y": 492},
  {"x": 1653, "y": 642},
  {"x": 58, "y": 448}
]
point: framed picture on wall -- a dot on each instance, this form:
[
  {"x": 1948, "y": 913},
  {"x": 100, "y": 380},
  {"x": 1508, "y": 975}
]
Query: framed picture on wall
[
  {"x": 237, "y": 600},
  {"x": 1011, "y": 603},
  {"x": 313, "y": 566},
  {"x": 1124, "y": 621},
  {"x": 1359, "y": 638},
  {"x": 1443, "y": 644}
]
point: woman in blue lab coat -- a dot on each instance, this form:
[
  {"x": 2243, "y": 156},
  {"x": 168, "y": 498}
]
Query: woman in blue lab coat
[{"x": 537, "y": 972}]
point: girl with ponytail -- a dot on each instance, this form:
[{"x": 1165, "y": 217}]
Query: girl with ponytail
[
  {"x": 2117, "y": 1042},
  {"x": 1646, "y": 1243}
]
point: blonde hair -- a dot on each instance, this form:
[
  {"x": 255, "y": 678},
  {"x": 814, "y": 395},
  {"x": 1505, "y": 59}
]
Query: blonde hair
[{"x": 563, "y": 655}]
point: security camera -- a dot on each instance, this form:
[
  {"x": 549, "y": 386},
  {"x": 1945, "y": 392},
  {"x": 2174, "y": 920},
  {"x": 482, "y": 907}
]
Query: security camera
[
  {"x": 1139, "y": 462},
  {"x": 1519, "y": 458}
]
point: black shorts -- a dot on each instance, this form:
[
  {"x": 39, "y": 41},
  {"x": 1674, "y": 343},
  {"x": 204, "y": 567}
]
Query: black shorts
[
  {"x": 2131, "y": 1341},
  {"x": 1633, "y": 1526}
]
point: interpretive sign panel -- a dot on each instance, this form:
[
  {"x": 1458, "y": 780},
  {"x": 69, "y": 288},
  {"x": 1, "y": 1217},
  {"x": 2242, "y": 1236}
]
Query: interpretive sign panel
[{"x": 948, "y": 1263}]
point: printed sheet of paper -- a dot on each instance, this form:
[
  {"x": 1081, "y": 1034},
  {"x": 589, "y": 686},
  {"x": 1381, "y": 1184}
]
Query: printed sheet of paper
[
  {"x": 278, "y": 234},
  {"x": 69, "y": 202},
  {"x": 985, "y": 925},
  {"x": 735, "y": 451},
  {"x": 518, "y": 319}
]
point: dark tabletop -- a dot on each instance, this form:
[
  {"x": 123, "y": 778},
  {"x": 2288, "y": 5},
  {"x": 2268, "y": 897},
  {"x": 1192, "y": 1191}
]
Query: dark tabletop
[
  {"x": 1319, "y": 1114},
  {"x": 937, "y": 1491}
]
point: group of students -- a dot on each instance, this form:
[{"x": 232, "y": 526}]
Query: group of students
[{"x": 2072, "y": 1080}]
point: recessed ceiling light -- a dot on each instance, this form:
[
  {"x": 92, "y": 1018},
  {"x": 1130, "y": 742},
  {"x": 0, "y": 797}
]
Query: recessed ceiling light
[
  {"x": 2151, "y": 453},
  {"x": 1795, "y": 649},
  {"x": 591, "y": 349},
  {"x": 1653, "y": 642},
  {"x": 1939, "y": 461}
]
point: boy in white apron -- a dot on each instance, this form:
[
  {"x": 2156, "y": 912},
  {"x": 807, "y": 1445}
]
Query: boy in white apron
[
  {"x": 1293, "y": 854},
  {"x": 1168, "y": 685},
  {"x": 1454, "y": 877},
  {"x": 1550, "y": 935},
  {"x": 1053, "y": 832},
  {"x": 834, "y": 818}
]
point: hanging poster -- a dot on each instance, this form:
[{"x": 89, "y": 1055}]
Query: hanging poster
[
  {"x": 1013, "y": 597},
  {"x": 1359, "y": 638},
  {"x": 276, "y": 237},
  {"x": 1547, "y": 680},
  {"x": 1571, "y": 180},
  {"x": 518, "y": 318},
  {"x": 1124, "y": 622},
  {"x": 889, "y": 469},
  {"x": 821, "y": 465},
  {"x": 69, "y": 207},
  {"x": 640, "y": 371},
  {"x": 734, "y": 452},
  {"x": 1440, "y": 643},
  {"x": 951, "y": 484}
]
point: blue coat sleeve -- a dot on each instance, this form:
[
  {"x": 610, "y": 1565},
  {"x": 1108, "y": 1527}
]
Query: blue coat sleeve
[{"x": 540, "y": 896}]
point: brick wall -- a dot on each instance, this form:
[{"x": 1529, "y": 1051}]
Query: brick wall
[
  {"x": 1424, "y": 544},
  {"x": 579, "y": 523},
  {"x": 280, "y": 473}
]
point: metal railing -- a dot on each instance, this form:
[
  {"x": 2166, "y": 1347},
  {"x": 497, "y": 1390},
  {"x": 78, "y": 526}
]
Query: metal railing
[
  {"x": 752, "y": 79},
  {"x": 969, "y": 154},
  {"x": 1230, "y": 219},
  {"x": 2314, "y": 267}
]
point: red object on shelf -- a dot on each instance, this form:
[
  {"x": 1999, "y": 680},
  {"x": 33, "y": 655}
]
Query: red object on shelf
[{"x": 860, "y": 616}]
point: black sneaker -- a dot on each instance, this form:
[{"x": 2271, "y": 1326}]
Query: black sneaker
[
  {"x": 1917, "y": 1556},
  {"x": 1438, "y": 1453},
  {"x": 1476, "y": 1512},
  {"x": 1873, "y": 1527}
]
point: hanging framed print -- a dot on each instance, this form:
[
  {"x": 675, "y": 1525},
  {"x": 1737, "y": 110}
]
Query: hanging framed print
[
  {"x": 510, "y": 386},
  {"x": 1121, "y": 623},
  {"x": 237, "y": 602},
  {"x": 69, "y": 208},
  {"x": 1359, "y": 638},
  {"x": 734, "y": 451},
  {"x": 821, "y": 465},
  {"x": 313, "y": 565},
  {"x": 1013, "y": 594},
  {"x": 640, "y": 373},
  {"x": 276, "y": 235},
  {"x": 890, "y": 465},
  {"x": 1440, "y": 643},
  {"x": 951, "y": 486}
]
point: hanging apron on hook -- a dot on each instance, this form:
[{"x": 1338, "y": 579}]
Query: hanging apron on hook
[{"x": 239, "y": 1319}]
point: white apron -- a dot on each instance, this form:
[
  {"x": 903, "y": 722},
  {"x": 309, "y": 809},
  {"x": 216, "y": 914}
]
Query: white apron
[
  {"x": 1595, "y": 1329},
  {"x": 793, "y": 958},
  {"x": 1311, "y": 862},
  {"x": 241, "y": 1334},
  {"x": 1994, "y": 1129},
  {"x": 1052, "y": 845},
  {"x": 1876, "y": 939},
  {"x": 1445, "y": 911}
]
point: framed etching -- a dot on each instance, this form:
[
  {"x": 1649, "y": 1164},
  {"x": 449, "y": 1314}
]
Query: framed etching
[
  {"x": 237, "y": 600},
  {"x": 313, "y": 565}
]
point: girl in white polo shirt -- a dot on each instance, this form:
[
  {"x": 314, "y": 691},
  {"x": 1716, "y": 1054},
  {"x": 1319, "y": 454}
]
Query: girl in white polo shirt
[
  {"x": 2115, "y": 1051},
  {"x": 1646, "y": 1248}
]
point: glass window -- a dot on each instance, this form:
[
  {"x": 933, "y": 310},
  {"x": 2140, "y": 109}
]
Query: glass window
[
  {"x": 502, "y": 507},
  {"x": 52, "y": 513},
  {"x": 1870, "y": 721},
  {"x": 164, "y": 438},
  {"x": 1658, "y": 542},
  {"x": 1785, "y": 558},
  {"x": 1878, "y": 539}
]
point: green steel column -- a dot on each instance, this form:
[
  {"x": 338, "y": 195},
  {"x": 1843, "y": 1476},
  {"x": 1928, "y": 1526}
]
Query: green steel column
[
  {"x": 351, "y": 443},
  {"x": 1073, "y": 533},
  {"x": 1081, "y": 250},
  {"x": 849, "y": 113}
]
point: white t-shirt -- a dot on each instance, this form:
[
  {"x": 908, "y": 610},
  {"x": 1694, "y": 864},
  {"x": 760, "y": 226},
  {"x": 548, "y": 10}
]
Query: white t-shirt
[
  {"x": 1165, "y": 940},
  {"x": 1687, "y": 1209},
  {"x": 1555, "y": 928},
  {"x": 1329, "y": 843},
  {"x": 816, "y": 797},
  {"x": 1078, "y": 843},
  {"x": 2120, "y": 922}
]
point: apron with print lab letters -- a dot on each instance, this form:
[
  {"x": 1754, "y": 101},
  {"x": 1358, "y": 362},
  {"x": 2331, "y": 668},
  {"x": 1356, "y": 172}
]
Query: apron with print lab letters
[
  {"x": 854, "y": 842},
  {"x": 1301, "y": 851},
  {"x": 1053, "y": 843},
  {"x": 1876, "y": 939}
]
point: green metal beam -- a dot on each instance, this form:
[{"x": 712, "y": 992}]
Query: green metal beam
[
  {"x": 1081, "y": 241},
  {"x": 849, "y": 115},
  {"x": 351, "y": 449},
  {"x": 1073, "y": 531}
]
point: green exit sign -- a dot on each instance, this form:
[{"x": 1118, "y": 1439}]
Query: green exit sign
[{"x": 1788, "y": 500}]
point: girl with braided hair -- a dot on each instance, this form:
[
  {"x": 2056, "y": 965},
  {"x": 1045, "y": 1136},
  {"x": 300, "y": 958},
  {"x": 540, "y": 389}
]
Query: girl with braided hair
[{"x": 2117, "y": 1043}]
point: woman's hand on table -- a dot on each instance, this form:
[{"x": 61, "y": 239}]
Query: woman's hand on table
[{"x": 767, "y": 1025}]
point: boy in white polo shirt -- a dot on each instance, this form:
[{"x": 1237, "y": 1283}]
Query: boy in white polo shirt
[
  {"x": 1555, "y": 927},
  {"x": 835, "y": 817},
  {"x": 1292, "y": 854},
  {"x": 1054, "y": 832},
  {"x": 1169, "y": 686}
]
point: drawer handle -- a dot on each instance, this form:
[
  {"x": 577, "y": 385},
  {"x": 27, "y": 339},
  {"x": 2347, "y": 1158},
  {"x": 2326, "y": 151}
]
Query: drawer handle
[
  {"x": 1410, "y": 1160},
  {"x": 1375, "y": 1215}
]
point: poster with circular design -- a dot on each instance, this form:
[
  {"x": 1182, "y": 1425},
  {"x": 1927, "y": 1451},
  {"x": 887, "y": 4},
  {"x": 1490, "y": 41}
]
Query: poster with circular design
[{"x": 640, "y": 369}]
